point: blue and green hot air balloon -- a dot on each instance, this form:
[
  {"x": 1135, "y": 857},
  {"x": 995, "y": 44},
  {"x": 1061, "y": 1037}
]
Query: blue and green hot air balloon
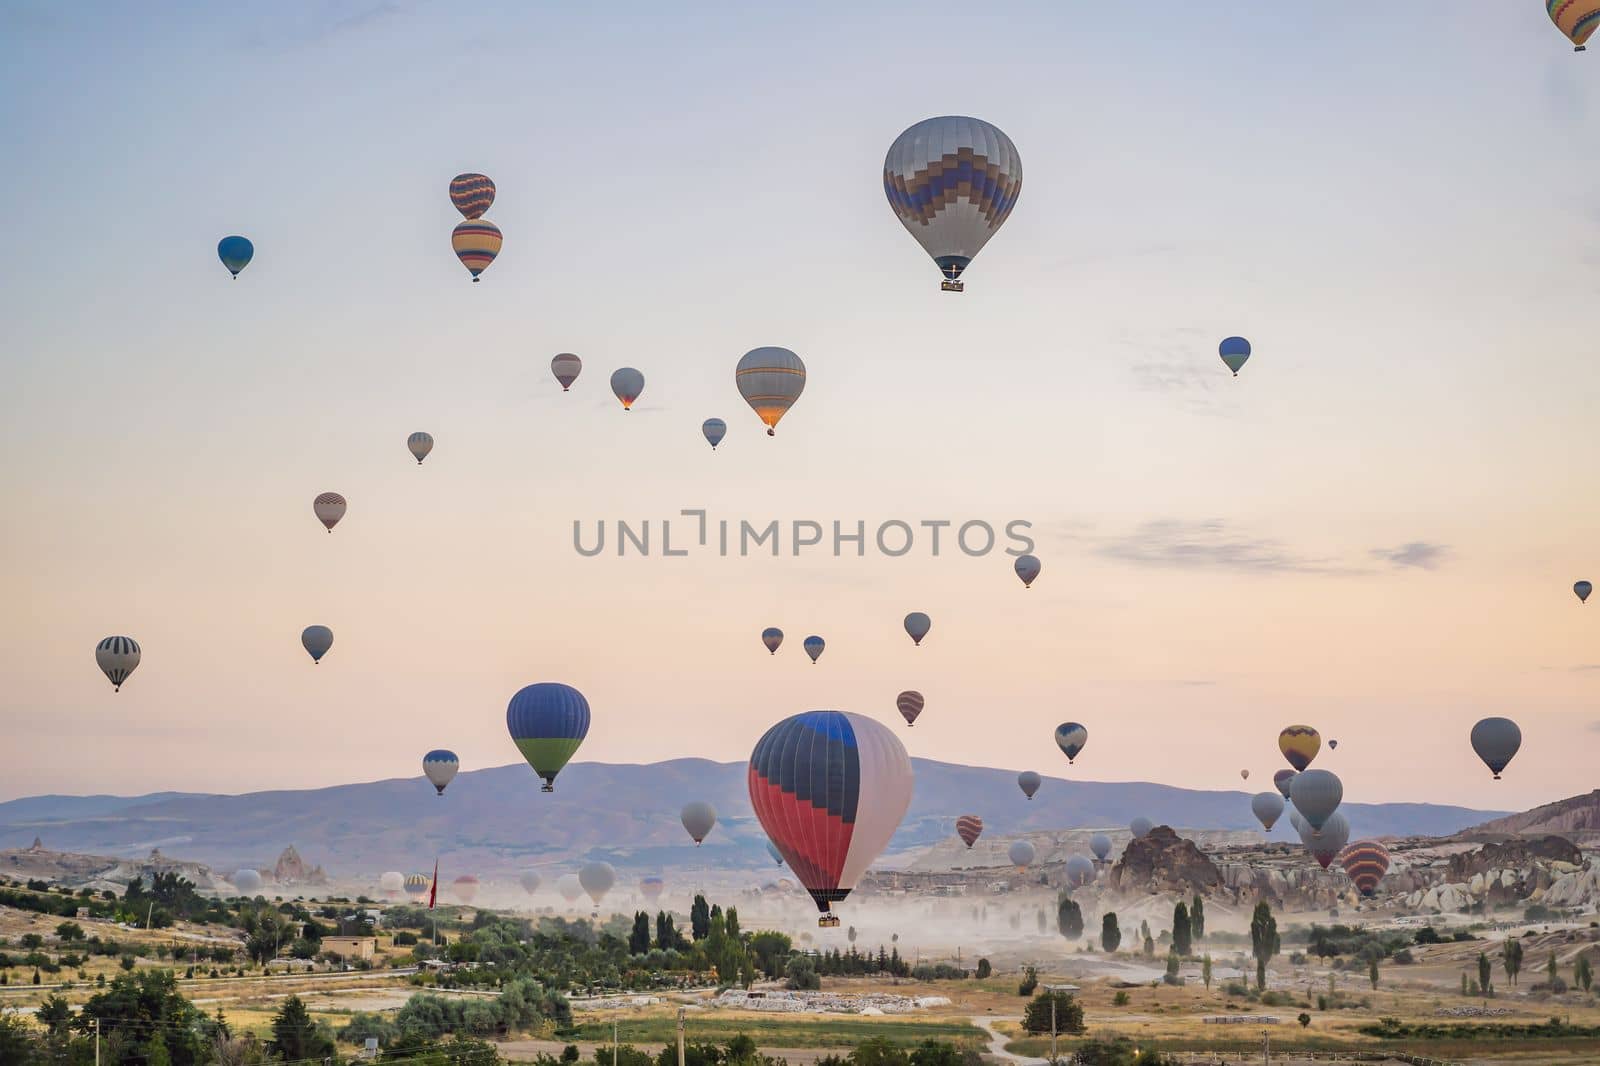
[
  {"x": 548, "y": 722},
  {"x": 1234, "y": 352},
  {"x": 235, "y": 253}
]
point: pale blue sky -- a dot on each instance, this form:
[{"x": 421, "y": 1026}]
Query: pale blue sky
[{"x": 1395, "y": 203}]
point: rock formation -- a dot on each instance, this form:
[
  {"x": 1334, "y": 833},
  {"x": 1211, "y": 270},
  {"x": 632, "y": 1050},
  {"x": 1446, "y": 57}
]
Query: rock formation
[{"x": 1162, "y": 861}]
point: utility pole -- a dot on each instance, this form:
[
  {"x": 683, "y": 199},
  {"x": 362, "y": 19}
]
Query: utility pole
[
  {"x": 96, "y": 1022},
  {"x": 1052, "y": 1028},
  {"x": 680, "y": 1037},
  {"x": 1266, "y": 1047},
  {"x": 613, "y": 1040}
]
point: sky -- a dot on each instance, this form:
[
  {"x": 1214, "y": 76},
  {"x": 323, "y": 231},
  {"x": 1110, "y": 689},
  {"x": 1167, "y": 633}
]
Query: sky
[{"x": 1374, "y": 529}]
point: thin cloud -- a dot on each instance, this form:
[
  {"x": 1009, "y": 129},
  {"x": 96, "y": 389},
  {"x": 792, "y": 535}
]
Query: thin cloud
[
  {"x": 1212, "y": 545},
  {"x": 1594, "y": 726},
  {"x": 1418, "y": 554}
]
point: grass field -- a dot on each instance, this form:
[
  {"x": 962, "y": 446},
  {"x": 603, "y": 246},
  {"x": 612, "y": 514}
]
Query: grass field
[{"x": 785, "y": 1030}]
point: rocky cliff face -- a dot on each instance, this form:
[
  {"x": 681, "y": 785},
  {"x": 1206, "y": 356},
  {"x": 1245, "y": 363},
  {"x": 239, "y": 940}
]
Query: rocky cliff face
[
  {"x": 1513, "y": 854},
  {"x": 1162, "y": 861},
  {"x": 291, "y": 869},
  {"x": 1576, "y": 818}
]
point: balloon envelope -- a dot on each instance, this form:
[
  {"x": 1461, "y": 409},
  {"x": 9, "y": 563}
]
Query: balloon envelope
[
  {"x": 909, "y": 704},
  {"x": 316, "y": 640},
  {"x": 1365, "y": 862},
  {"x": 392, "y": 883},
  {"x": 772, "y": 637},
  {"x": 440, "y": 766},
  {"x": 698, "y": 817},
  {"x": 1316, "y": 795},
  {"x": 830, "y": 789},
  {"x": 1281, "y": 781},
  {"x": 329, "y": 508},
  {"x": 969, "y": 827},
  {"x": 1234, "y": 351},
  {"x": 1576, "y": 19},
  {"x": 917, "y": 626},
  {"x": 1140, "y": 826},
  {"x": 1100, "y": 844},
  {"x": 770, "y": 380},
  {"x": 1027, "y": 568},
  {"x": 566, "y": 367},
  {"x": 1080, "y": 871},
  {"x": 548, "y": 721},
  {"x": 714, "y": 429},
  {"x": 473, "y": 194},
  {"x": 1267, "y": 807},
  {"x": 596, "y": 878},
  {"x": 419, "y": 444},
  {"x": 530, "y": 881},
  {"x": 117, "y": 657},
  {"x": 1070, "y": 738},
  {"x": 627, "y": 383},
  {"x": 416, "y": 885},
  {"x": 1021, "y": 853},
  {"x": 651, "y": 887},
  {"x": 1326, "y": 843},
  {"x": 1496, "y": 741},
  {"x": 952, "y": 181},
  {"x": 814, "y": 646},
  {"x": 235, "y": 253},
  {"x": 248, "y": 882},
  {"x": 476, "y": 242},
  {"x": 777, "y": 856},
  {"x": 465, "y": 888},
  {"x": 1581, "y": 589},
  {"x": 1299, "y": 744},
  {"x": 569, "y": 888},
  {"x": 1029, "y": 782}
]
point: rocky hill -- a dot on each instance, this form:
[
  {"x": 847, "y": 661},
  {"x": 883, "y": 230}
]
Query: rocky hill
[
  {"x": 1162, "y": 861},
  {"x": 1577, "y": 819}
]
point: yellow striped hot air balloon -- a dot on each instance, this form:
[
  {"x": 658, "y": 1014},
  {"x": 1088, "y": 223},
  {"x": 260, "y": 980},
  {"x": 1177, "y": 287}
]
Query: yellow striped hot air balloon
[
  {"x": 1575, "y": 18},
  {"x": 1299, "y": 744},
  {"x": 770, "y": 380},
  {"x": 476, "y": 241}
]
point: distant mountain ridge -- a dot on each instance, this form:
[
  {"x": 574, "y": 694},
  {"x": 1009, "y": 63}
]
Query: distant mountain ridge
[
  {"x": 496, "y": 819},
  {"x": 1577, "y": 818}
]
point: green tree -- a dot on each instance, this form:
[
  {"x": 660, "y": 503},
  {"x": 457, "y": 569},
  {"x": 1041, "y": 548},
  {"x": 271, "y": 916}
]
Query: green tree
[
  {"x": 1029, "y": 982},
  {"x": 667, "y": 936},
  {"x": 936, "y": 1053},
  {"x": 1181, "y": 929},
  {"x": 69, "y": 931},
  {"x": 700, "y": 918},
  {"x": 1485, "y": 975},
  {"x": 1197, "y": 919},
  {"x": 1205, "y": 969},
  {"x": 17, "y": 1044},
  {"x": 1511, "y": 958},
  {"x": 639, "y": 939},
  {"x": 878, "y": 1051},
  {"x": 155, "y": 1050},
  {"x": 1263, "y": 940},
  {"x": 1583, "y": 973},
  {"x": 1110, "y": 935},
  {"x": 55, "y": 1014},
  {"x": 1149, "y": 947},
  {"x": 984, "y": 969},
  {"x": 1550, "y": 969},
  {"x": 295, "y": 1036},
  {"x": 1372, "y": 973},
  {"x": 771, "y": 950},
  {"x": 1304, "y": 1019},
  {"x": 132, "y": 1007},
  {"x": 1069, "y": 1015},
  {"x": 1171, "y": 976},
  {"x": 801, "y": 974},
  {"x": 1069, "y": 917},
  {"x": 730, "y": 920}
]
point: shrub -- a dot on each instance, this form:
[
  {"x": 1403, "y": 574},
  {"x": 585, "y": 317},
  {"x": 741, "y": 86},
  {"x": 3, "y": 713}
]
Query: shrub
[
  {"x": 1068, "y": 1014},
  {"x": 1030, "y": 981},
  {"x": 1304, "y": 1019},
  {"x": 1120, "y": 999},
  {"x": 984, "y": 969}
]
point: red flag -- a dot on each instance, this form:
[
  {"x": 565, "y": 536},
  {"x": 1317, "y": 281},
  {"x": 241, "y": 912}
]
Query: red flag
[{"x": 433, "y": 889}]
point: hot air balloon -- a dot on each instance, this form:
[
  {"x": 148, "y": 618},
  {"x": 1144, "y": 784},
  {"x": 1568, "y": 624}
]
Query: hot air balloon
[
  {"x": 1100, "y": 844},
  {"x": 329, "y": 508},
  {"x": 1582, "y": 589},
  {"x": 1496, "y": 741},
  {"x": 316, "y": 640},
  {"x": 1296, "y": 822},
  {"x": 1365, "y": 862},
  {"x": 777, "y": 856},
  {"x": 465, "y": 888},
  {"x": 1325, "y": 844},
  {"x": 829, "y": 788},
  {"x": 952, "y": 181},
  {"x": 698, "y": 817},
  {"x": 248, "y": 882},
  {"x": 566, "y": 367},
  {"x": 392, "y": 884},
  {"x": 530, "y": 881},
  {"x": 969, "y": 827},
  {"x": 627, "y": 383},
  {"x": 1267, "y": 807},
  {"x": 596, "y": 878},
  {"x": 548, "y": 721},
  {"x": 235, "y": 253},
  {"x": 1029, "y": 782},
  {"x": 909, "y": 704},
  {"x": 1234, "y": 352},
  {"x": 770, "y": 380},
  {"x": 420, "y": 444},
  {"x": 1021, "y": 853},
  {"x": 651, "y": 888},
  {"x": 714, "y": 429},
  {"x": 477, "y": 242},
  {"x": 813, "y": 647},
  {"x": 1299, "y": 744},
  {"x": 1575, "y": 18},
  {"x": 1281, "y": 780},
  {"x": 1027, "y": 568},
  {"x": 473, "y": 194},
  {"x": 1244, "y": 775},
  {"x": 1333, "y": 745},
  {"x": 772, "y": 637},
  {"x": 1140, "y": 826},
  {"x": 440, "y": 766},
  {"x": 1316, "y": 795},
  {"x": 917, "y": 626},
  {"x": 1080, "y": 871},
  {"x": 416, "y": 885},
  {"x": 1070, "y": 738},
  {"x": 569, "y": 888},
  {"x": 117, "y": 657}
]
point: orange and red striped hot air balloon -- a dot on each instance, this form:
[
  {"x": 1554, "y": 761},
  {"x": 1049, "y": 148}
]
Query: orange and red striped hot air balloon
[
  {"x": 969, "y": 827},
  {"x": 1577, "y": 19},
  {"x": 473, "y": 194},
  {"x": 476, "y": 243}
]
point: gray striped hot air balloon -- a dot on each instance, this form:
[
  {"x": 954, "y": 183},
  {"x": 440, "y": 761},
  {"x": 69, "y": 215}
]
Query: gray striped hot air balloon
[
  {"x": 952, "y": 182},
  {"x": 1070, "y": 738},
  {"x": 1080, "y": 871},
  {"x": 596, "y": 878},
  {"x": 627, "y": 383},
  {"x": 566, "y": 367},
  {"x": 1325, "y": 844},
  {"x": 698, "y": 817},
  {"x": 247, "y": 881},
  {"x": 420, "y": 444},
  {"x": 117, "y": 657},
  {"x": 714, "y": 429},
  {"x": 772, "y": 637},
  {"x": 814, "y": 646},
  {"x": 1496, "y": 741},
  {"x": 909, "y": 704},
  {"x": 1581, "y": 589},
  {"x": 1021, "y": 853},
  {"x": 1316, "y": 795},
  {"x": 770, "y": 380},
  {"x": 1267, "y": 807},
  {"x": 1029, "y": 782},
  {"x": 329, "y": 508},
  {"x": 1027, "y": 568},
  {"x": 316, "y": 640},
  {"x": 917, "y": 626}
]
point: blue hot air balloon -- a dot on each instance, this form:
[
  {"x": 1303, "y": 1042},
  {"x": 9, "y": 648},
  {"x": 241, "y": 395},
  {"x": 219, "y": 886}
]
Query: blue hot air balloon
[
  {"x": 714, "y": 429},
  {"x": 814, "y": 646},
  {"x": 440, "y": 767},
  {"x": 235, "y": 253},
  {"x": 1234, "y": 352},
  {"x": 548, "y": 721},
  {"x": 1070, "y": 738}
]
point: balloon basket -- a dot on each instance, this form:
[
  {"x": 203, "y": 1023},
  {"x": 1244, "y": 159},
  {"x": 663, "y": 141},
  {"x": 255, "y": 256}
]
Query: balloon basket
[
  {"x": 828, "y": 921},
  {"x": 952, "y": 286}
]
